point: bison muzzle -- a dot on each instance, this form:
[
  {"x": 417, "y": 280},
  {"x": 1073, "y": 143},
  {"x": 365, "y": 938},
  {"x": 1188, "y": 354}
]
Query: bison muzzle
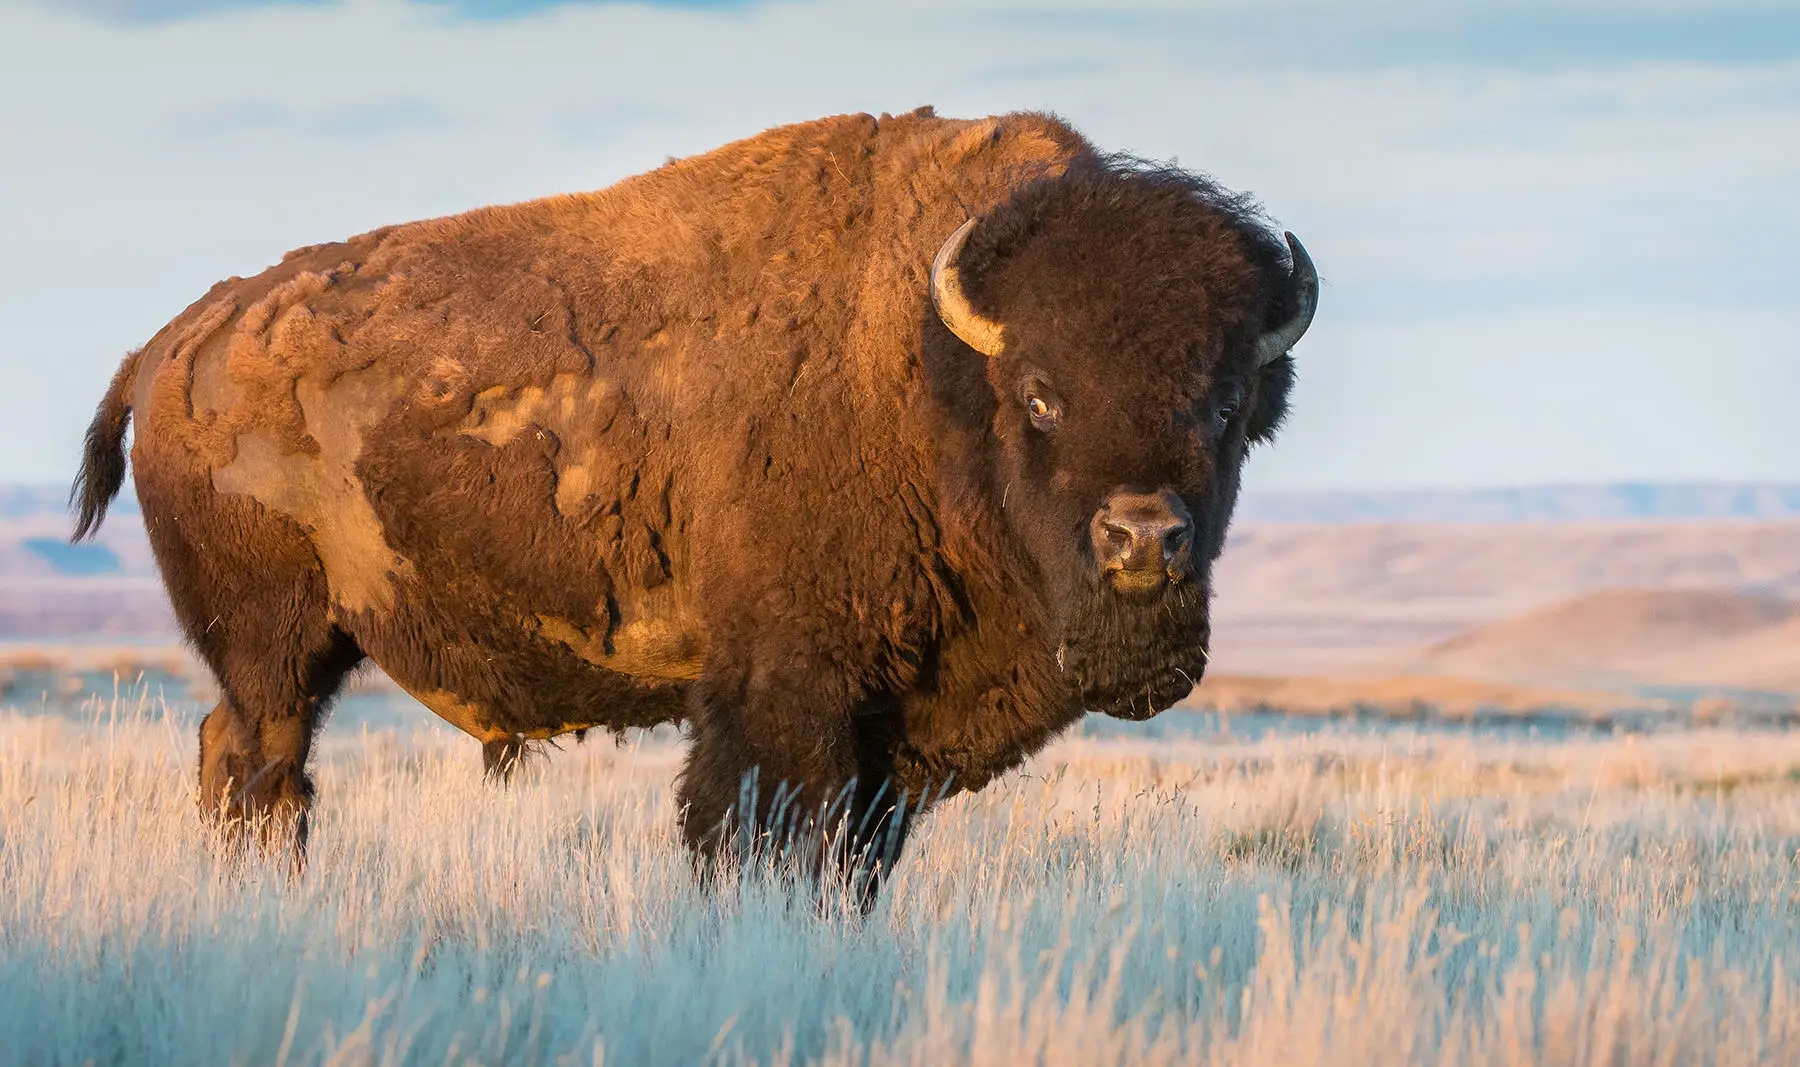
[{"x": 876, "y": 451}]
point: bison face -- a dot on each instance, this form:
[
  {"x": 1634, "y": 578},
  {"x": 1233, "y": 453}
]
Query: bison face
[{"x": 1132, "y": 361}]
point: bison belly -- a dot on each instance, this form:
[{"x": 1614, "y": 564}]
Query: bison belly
[{"x": 539, "y": 585}]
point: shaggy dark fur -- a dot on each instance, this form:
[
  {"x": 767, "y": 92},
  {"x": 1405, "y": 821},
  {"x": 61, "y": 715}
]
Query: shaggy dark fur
[{"x": 697, "y": 447}]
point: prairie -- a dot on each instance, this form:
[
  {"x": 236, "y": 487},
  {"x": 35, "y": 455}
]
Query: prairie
[{"x": 1328, "y": 894}]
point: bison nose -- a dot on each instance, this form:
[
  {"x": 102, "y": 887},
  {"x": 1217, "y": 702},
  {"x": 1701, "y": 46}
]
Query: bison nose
[{"x": 1141, "y": 538}]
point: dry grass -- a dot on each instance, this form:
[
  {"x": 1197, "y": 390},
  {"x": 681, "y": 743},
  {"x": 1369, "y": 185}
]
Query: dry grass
[
  {"x": 1341, "y": 899},
  {"x": 1397, "y": 696}
]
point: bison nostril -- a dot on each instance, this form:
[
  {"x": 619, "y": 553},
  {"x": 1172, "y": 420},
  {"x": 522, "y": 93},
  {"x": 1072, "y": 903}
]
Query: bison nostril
[{"x": 1119, "y": 537}]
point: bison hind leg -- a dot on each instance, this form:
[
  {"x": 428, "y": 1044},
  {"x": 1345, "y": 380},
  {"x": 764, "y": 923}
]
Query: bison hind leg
[
  {"x": 253, "y": 601},
  {"x": 256, "y": 742}
]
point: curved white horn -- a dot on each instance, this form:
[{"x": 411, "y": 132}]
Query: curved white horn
[
  {"x": 983, "y": 335},
  {"x": 1274, "y": 344}
]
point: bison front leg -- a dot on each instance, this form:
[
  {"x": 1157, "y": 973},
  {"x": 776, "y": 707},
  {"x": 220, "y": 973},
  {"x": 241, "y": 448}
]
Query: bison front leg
[
  {"x": 875, "y": 832},
  {"x": 793, "y": 770}
]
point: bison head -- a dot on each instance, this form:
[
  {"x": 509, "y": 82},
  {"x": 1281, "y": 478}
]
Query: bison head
[{"x": 1134, "y": 325}]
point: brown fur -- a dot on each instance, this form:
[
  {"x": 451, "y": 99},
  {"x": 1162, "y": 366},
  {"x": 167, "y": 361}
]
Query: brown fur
[{"x": 695, "y": 447}]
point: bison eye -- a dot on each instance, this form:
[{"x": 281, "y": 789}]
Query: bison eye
[
  {"x": 1043, "y": 412},
  {"x": 1226, "y": 406}
]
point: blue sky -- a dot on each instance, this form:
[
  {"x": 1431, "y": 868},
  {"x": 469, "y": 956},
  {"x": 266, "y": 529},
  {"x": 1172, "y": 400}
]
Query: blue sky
[{"x": 1558, "y": 239}]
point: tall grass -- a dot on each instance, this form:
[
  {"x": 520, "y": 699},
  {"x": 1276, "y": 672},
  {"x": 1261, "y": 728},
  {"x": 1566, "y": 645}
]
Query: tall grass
[{"x": 1336, "y": 899}]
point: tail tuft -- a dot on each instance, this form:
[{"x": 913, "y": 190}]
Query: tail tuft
[{"x": 103, "y": 458}]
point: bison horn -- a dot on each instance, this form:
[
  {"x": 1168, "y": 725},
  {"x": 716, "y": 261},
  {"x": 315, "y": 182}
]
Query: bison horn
[
  {"x": 981, "y": 334},
  {"x": 1274, "y": 344}
]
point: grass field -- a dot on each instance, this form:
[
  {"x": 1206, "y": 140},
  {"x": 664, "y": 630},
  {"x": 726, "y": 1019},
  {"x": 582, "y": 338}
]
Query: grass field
[{"x": 1340, "y": 898}]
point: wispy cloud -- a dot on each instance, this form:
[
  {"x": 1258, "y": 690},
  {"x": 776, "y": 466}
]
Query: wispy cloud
[
  {"x": 509, "y": 9},
  {"x": 1408, "y": 32},
  {"x": 154, "y": 11},
  {"x": 149, "y": 12},
  {"x": 373, "y": 118},
  {"x": 1036, "y": 73},
  {"x": 599, "y": 123},
  {"x": 1576, "y": 36}
]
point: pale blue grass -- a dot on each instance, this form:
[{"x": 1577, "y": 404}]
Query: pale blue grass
[{"x": 1336, "y": 899}]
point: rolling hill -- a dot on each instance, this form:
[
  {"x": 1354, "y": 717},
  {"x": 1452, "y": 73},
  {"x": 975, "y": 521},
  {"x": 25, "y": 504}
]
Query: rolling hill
[
  {"x": 1506, "y": 600},
  {"x": 1684, "y": 637}
]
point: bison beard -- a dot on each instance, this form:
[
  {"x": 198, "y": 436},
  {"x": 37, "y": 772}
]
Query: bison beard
[{"x": 1131, "y": 657}]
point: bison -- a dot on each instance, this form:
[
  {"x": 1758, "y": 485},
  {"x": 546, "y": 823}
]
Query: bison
[{"x": 875, "y": 450}]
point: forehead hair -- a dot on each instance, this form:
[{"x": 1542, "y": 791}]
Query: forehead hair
[{"x": 1122, "y": 255}]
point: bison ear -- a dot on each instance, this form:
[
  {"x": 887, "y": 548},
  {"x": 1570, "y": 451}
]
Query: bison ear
[
  {"x": 1304, "y": 281},
  {"x": 1274, "y": 382},
  {"x": 984, "y": 335}
]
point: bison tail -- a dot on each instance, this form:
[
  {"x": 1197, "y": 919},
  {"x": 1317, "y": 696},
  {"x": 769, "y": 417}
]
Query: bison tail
[{"x": 103, "y": 458}]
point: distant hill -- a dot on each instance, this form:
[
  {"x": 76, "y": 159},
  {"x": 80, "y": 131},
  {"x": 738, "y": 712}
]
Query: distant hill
[
  {"x": 1691, "y": 637},
  {"x": 1551, "y": 503},
  {"x": 1310, "y": 583},
  {"x": 1310, "y": 599}
]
